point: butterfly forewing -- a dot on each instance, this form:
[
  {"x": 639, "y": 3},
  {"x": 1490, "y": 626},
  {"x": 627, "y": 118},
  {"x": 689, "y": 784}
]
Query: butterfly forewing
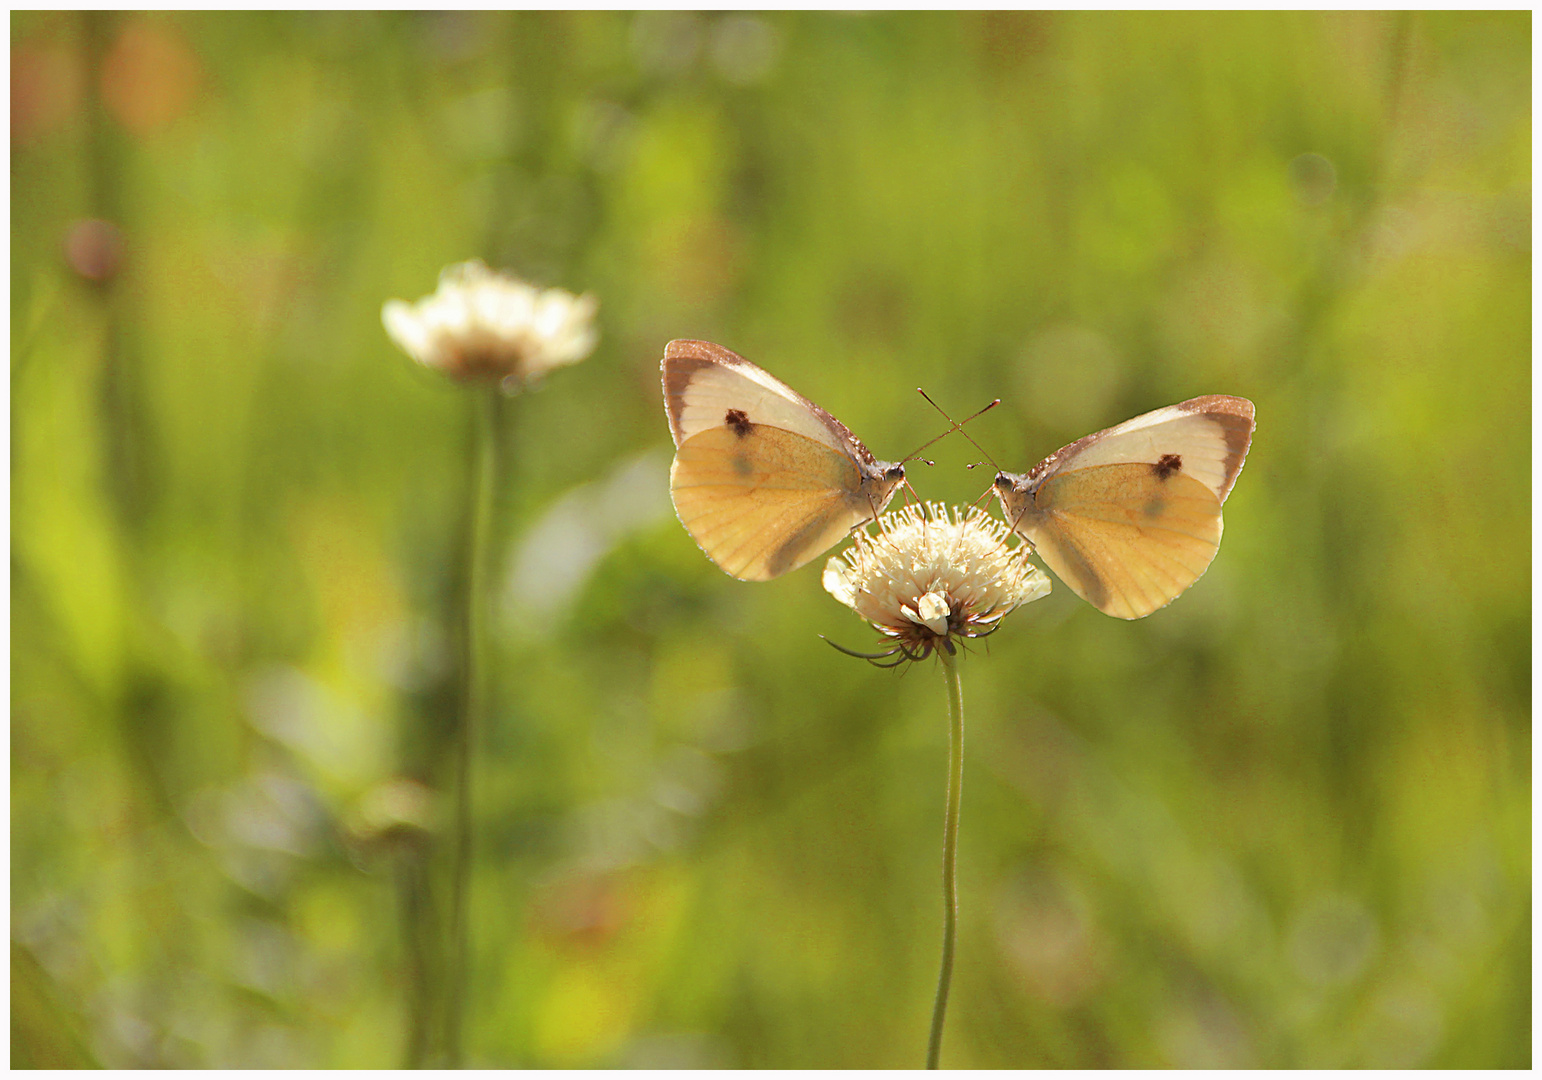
[
  {"x": 1208, "y": 437},
  {"x": 704, "y": 383}
]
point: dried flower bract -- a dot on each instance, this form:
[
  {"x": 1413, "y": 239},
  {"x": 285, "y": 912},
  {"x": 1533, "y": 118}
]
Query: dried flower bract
[
  {"x": 484, "y": 327},
  {"x": 930, "y": 576}
]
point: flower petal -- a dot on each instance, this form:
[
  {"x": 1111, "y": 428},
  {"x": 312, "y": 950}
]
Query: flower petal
[
  {"x": 930, "y": 572},
  {"x": 483, "y": 326}
]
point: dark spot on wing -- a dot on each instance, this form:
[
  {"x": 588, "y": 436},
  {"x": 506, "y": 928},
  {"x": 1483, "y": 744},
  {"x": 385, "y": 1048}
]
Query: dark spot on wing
[
  {"x": 736, "y": 419},
  {"x": 1166, "y": 465},
  {"x": 742, "y": 465},
  {"x": 1153, "y": 508}
]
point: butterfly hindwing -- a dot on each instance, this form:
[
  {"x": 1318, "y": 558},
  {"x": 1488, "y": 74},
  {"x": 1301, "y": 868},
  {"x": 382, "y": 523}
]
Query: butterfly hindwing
[
  {"x": 1124, "y": 538},
  {"x": 763, "y": 502}
]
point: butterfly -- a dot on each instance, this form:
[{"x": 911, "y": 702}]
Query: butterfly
[
  {"x": 764, "y": 480},
  {"x": 1131, "y": 516}
]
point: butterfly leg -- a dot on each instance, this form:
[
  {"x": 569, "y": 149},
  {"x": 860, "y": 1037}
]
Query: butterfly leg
[{"x": 860, "y": 526}]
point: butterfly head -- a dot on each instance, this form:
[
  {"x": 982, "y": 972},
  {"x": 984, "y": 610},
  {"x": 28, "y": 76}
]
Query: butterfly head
[
  {"x": 882, "y": 481},
  {"x": 1015, "y": 490},
  {"x": 1007, "y": 485}
]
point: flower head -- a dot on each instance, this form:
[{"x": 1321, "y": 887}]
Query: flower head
[
  {"x": 481, "y": 326},
  {"x": 398, "y": 813},
  {"x": 930, "y": 576}
]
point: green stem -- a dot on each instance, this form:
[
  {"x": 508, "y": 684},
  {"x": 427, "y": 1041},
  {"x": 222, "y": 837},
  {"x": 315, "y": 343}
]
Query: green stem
[
  {"x": 949, "y": 849},
  {"x": 488, "y": 409},
  {"x": 412, "y": 889}
]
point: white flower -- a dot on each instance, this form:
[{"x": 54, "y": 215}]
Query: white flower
[
  {"x": 395, "y": 812},
  {"x": 929, "y": 576},
  {"x": 486, "y": 327}
]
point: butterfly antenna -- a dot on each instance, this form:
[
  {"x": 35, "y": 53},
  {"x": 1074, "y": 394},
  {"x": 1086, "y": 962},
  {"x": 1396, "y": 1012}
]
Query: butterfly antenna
[
  {"x": 955, "y": 426},
  {"x": 958, "y": 425}
]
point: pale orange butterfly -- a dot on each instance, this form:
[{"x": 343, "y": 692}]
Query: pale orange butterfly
[
  {"x": 1130, "y": 517},
  {"x": 764, "y": 480}
]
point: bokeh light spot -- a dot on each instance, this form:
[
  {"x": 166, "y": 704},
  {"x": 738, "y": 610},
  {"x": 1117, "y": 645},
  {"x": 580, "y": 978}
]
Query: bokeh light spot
[
  {"x": 1313, "y": 178},
  {"x": 94, "y": 249},
  {"x": 46, "y": 92},
  {"x": 149, "y": 77}
]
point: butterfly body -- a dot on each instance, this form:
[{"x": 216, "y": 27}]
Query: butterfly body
[
  {"x": 1130, "y": 517},
  {"x": 763, "y": 479}
]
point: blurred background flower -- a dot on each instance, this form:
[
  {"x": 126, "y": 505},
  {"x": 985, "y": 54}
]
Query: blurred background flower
[
  {"x": 1285, "y": 822},
  {"x": 485, "y": 327}
]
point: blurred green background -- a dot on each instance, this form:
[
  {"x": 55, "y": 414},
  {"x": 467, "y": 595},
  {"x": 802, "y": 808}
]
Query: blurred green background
[{"x": 1283, "y": 822}]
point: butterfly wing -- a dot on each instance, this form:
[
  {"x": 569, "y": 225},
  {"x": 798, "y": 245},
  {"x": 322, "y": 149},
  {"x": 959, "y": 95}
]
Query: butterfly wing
[
  {"x": 1207, "y": 436},
  {"x": 765, "y": 502},
  {"x": 1123, "y": 539},
  {"x": 1130, "y": 517},
  {"x": 704, "y": 382},
  {"x": 763, "y": 479}
]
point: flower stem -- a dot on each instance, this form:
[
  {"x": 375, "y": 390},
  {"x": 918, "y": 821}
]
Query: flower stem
[
  {"x": 487, "y": 407},
  {"x": 949, "y": 850},
  {"x": 417, "y": 941}
]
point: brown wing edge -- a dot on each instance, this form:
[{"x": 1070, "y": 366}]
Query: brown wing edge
[
  {"x": 1235, "y": 415},
  {"x": 684, "y": 357}
]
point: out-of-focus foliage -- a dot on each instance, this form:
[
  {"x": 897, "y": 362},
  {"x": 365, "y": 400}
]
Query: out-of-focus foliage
[{"x": 1284, "y": 822}]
